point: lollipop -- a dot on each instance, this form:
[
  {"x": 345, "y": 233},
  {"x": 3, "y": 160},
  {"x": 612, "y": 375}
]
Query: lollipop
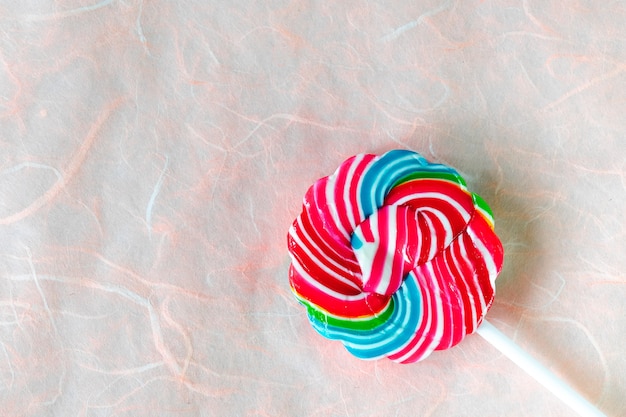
[{"x": 394, "y": 257}]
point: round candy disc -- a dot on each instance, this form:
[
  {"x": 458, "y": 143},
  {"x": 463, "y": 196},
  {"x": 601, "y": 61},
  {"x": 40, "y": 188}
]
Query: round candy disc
[{"x": 394, "y": 257}]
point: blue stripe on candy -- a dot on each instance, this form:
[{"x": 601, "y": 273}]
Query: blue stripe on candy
[
  {"x": 355, "y": 242},
  {"x": 389, "y": 169},
  {"x": 389, "y": 336}
]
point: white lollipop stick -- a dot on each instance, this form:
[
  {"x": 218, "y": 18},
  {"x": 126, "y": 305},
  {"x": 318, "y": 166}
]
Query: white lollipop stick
[{"x": 559, "y": 388}]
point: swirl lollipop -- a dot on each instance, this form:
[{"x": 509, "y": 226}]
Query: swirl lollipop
[{"x": 394, "y": 257}]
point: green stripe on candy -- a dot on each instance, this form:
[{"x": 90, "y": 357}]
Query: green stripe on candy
[
  {"x": 483, "y": 207},
  {"x": 363, "y": 324},
  {"x": 457, "y": 179}
]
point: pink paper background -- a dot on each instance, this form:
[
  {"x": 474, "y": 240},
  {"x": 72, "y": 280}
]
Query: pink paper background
[{"x": 154, "y": 153}]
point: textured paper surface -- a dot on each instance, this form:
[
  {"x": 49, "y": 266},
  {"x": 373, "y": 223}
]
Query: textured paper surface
[{"x": 154, "y": 153}]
